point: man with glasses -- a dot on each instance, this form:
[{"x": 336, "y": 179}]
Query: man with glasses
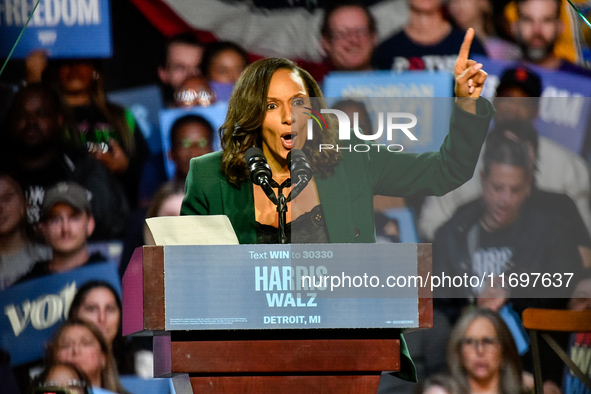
[
  {"x": 190, "y": 136},
  {"x": 181, "y": 59},
  {"x": 349, "y": 36}
]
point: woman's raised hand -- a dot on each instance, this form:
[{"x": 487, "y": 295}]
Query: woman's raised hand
[{"x": 468, "y": 74}]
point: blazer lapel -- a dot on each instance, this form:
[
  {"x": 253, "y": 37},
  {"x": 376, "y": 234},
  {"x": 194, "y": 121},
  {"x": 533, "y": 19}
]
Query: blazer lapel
[{"x": 239, "y": 206}]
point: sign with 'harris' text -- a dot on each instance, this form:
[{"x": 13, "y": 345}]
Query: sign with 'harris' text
[
  {"x": 63, "y": 28},
  {"x": 305, "y": 286}
]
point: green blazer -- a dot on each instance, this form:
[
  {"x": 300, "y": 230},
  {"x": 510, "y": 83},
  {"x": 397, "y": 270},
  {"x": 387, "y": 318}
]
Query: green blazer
[{"x": 347, "y": 195}]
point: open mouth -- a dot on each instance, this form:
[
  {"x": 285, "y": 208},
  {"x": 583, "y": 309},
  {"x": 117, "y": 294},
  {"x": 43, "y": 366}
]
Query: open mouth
[
  {"x": 288, "y": 139},
  {"x": 501, "y": 215}
]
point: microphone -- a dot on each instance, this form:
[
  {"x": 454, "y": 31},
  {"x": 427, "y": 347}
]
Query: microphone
[
  {"x": 260, "y": 172},
  {"x": 300, "y": 171}
]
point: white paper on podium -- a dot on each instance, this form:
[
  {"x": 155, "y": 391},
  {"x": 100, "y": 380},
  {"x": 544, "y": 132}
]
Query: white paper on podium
[{"x": 192, "y": 230}]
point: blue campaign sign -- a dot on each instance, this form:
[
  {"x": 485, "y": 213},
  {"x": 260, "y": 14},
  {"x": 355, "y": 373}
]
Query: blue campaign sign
[
  {"x": 64, "y": 28},
  {"x": 432, "y": 116},
  {"x": 291, "y": 286},
  {"x": 215, "y": 115},
  {"x": 388, "y": 84},
  {"x": 424, "y": 94},
  {"x": 145, "y": 103},
  {"x": 564, "y": 107},
  {"x": 34, "y": 309},
  {"x": 110, "y": 249}
]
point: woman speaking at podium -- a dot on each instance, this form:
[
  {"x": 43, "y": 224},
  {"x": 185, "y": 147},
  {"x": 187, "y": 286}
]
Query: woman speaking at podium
[{"x": 337, "y": 204}]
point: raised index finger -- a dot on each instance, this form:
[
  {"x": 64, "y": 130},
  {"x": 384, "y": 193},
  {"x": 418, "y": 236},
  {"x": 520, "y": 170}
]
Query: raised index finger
[{"x": 465, "y": 48}]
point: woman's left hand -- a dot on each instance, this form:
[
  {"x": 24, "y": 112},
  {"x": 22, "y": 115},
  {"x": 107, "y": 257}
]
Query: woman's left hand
[{"x": 468, "y": 74}]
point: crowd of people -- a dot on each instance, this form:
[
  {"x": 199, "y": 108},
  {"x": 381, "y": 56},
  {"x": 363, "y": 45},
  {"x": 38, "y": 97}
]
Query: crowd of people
[{"x": 72, "y": 166}]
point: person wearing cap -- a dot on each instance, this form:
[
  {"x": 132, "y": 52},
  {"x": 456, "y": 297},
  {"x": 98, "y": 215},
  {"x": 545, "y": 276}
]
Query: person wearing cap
[
  {"x": 66, "y": 224},
  {"x": 519, "y": 82},
  {"x": 558, "y": 170}
]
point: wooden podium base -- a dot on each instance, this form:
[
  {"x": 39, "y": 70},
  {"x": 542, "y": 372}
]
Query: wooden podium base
[
  {"x": 345, "y": 384},
  {"x": 277, "y": 366}
]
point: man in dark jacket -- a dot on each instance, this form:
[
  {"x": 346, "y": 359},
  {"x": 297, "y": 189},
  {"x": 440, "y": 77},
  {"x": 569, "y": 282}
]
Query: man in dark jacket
[{"x": 34, "y": 145}]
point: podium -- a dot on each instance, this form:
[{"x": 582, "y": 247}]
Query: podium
[{"x": 232, "y": 319}]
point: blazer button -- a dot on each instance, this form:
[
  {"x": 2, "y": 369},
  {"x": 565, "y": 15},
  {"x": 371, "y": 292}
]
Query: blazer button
[{"x": 357, "y": 232}]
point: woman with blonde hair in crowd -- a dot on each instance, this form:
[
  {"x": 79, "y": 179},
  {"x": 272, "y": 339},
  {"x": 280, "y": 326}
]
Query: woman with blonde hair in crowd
[
  {"x": 482, "y": 356},
  {"x": 82, "y": 344}
]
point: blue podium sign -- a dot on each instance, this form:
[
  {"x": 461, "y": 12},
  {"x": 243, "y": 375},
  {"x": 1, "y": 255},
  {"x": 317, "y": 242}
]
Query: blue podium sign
[
  {"x": 290, "y": 286},
  {"x": 65, "y": 28}
]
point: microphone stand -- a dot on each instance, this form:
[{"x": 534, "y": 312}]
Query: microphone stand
[
  {"x": 281, "y": 202},
  {"x": 261, "y": 175},
  {"x": 282, "y": 210}
]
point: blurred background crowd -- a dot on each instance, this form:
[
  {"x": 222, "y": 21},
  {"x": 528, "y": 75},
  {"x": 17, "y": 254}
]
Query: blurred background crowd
[{"x": 82, "y": 167}]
